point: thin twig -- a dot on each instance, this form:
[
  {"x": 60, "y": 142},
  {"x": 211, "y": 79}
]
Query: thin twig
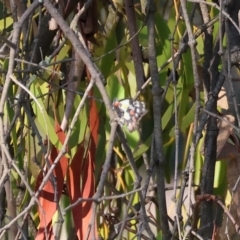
[
  {"x": 101, "y": 199},
  {"x": 221, "y": 119},
  {"x": 157, "y": 92},
  {"x": 105, "y": 170},
  {"x": 191, "y": 43}
]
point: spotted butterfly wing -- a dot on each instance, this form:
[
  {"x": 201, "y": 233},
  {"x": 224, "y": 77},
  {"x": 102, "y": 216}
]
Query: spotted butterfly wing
[{"x": 129, "y": 112}]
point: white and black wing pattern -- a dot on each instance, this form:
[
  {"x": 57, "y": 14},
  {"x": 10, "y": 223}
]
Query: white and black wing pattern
[{"x": 129, "y": 112}]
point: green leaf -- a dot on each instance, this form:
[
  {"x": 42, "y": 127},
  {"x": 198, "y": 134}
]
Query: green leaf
[
  {"x": 198, "y": 164},
  {"x": 107, "y": 62},
  {"x": 220, "y": 171},
  {"x": 142, "y": 148},
  {"x": 167, "y": 116},
  {"x": 79, "y": 129},
  {"x": 6, "y": 22},
  {"x": 43, "y": 119},
  {"x": 133, "y": 138},
  {"x": 163, "y": 45},
  {"x": 114, "y": 88},
  {"x": 143, "y": 37},
  {"x": 188, "y": 78},
  {"x": 188, "y": 118},
  {"x": 10, "y": 113}
]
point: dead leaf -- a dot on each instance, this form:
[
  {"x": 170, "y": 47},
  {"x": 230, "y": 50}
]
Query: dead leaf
[
  {"x": 52, "y": 24},
  {"x": 222, "y": 99},
  {"x": 225, "y": 129}
]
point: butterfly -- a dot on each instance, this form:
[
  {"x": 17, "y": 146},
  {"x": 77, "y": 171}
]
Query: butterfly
[{"x": 129, "y": 112}]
